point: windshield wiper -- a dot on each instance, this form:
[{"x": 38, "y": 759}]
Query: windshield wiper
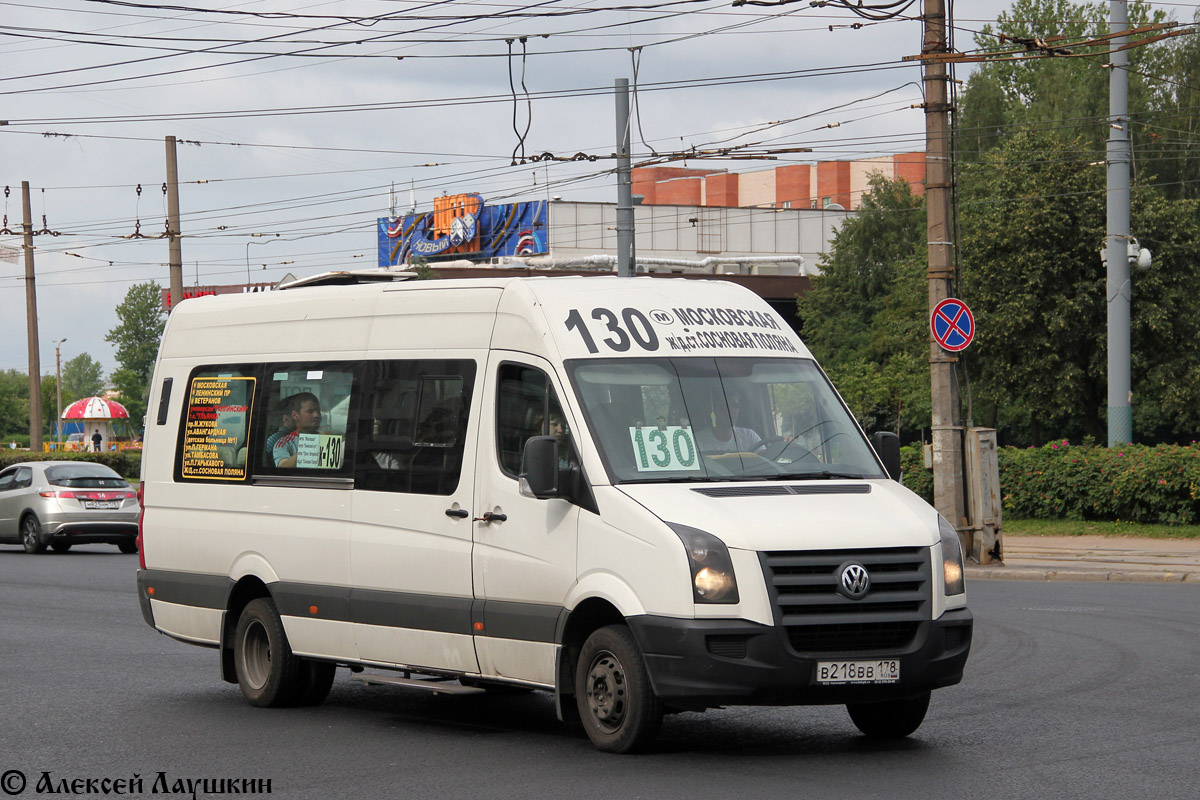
[{"x": 823, "y": 475}]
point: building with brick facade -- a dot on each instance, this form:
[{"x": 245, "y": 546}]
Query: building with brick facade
[{"x": 795, "y": 186}]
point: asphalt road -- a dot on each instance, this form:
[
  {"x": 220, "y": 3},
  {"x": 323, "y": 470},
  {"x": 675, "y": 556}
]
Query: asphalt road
[{"x": 1073, "y": 690}]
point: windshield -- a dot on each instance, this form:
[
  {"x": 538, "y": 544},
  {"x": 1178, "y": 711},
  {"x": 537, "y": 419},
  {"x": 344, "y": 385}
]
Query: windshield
[{"x": 705, "y": 419}]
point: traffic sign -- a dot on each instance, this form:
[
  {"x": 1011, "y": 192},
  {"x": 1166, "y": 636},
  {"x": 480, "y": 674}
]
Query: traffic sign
[{"x": 952, "y": 324}]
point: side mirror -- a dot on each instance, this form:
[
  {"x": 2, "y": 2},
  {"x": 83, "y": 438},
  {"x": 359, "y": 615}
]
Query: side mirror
[
  {"x": 540, "y": 462},
  {"x": 887, "y": 446}
]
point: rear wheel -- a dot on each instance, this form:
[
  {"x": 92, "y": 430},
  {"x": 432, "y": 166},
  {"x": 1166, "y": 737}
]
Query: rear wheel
[
  {"x": 269, "y": 675},
  {"x": 127, "y": 547},
  {"x": 60, "y": 547},
  {"x": 617, "y": 705},
  {"x": 893, "y": 719},
  {"x": 31, "y": 535}
]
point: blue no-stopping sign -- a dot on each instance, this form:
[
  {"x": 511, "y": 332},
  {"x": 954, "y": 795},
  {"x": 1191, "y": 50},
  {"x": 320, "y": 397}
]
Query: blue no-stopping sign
[{"x": 952, "y": 324}]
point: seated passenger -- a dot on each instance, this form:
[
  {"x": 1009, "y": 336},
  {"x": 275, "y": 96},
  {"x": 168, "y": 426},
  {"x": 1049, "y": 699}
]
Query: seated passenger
[{"x": 306, "y": 418}]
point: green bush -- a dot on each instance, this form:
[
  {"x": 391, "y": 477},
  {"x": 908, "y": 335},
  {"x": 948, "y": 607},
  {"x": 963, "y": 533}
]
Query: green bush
[
  {"x": 916, "y": 477},
  {"x": 1131, "y": 483},
  {"x": 127, "y": 463}
]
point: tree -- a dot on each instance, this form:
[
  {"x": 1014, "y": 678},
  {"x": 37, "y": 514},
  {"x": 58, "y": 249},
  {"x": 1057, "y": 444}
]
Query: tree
[
  {"x": 136, "y": 338},
  {"x": 864, "y": 317},
  {"x": 1053, "y": 91},
  {"x": 14, "y": 402},
  {"x": 1033, "y": 225},
  {"x": 1165, "y": 323},
  {"x": 1070, "y": 94},
  {"x": 82, "y": 376},
  {"x": 1032, "y": 145},
  {"x": 49, "y": 386}
]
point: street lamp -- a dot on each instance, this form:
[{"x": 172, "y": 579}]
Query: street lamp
[
  {"x": 256, "y": 235},
  {"x": 58, "y": 383}
]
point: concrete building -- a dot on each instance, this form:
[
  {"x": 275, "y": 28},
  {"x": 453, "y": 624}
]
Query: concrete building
[{"x": 772, "y": 251}]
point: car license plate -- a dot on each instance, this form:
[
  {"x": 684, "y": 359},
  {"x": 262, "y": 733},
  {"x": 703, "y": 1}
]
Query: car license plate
[
  {"x": 101, "y": 503},
  {"x": 882, "y": 671}
]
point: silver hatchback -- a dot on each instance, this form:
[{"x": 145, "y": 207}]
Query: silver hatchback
[{"x": 61, "y": 503}]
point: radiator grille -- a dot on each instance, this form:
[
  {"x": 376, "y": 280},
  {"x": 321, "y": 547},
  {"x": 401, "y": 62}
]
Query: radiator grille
[{"x": 803, "y": 589}]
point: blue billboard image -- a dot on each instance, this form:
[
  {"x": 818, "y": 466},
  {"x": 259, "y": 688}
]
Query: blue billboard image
[{"x": 463, "y": 226}]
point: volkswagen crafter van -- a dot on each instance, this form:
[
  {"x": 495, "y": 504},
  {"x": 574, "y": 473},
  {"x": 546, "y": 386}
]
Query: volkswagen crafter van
[{"x": 640, "y": 494}]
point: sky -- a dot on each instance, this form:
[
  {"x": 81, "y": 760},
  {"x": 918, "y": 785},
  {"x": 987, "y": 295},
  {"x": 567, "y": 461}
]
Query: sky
[{"x": 299, "y": 124}]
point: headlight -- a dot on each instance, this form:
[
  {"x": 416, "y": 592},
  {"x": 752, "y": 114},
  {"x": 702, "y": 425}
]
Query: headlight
[
  {"x": 713, "y": 580},
  {"x": 952, "y": 557}
]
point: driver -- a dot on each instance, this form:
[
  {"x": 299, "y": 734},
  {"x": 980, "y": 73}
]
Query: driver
[{"x": 726, "y": 436}]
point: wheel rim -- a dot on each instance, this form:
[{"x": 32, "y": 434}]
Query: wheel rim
[
  {"x": 31, "y": 533},
  {"x": 607, "y": 691},
  {"x": 256, "y": 655}
]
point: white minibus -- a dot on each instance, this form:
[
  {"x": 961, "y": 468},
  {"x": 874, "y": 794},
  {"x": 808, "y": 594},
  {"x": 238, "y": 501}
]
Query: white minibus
[{"x": 642, "y": 495}]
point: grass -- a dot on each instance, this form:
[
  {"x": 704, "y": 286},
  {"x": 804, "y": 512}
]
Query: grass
[{"x": 1069, "y": 527}]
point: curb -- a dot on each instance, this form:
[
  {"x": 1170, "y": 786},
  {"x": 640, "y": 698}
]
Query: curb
[{"x": 1042, "y": 574}]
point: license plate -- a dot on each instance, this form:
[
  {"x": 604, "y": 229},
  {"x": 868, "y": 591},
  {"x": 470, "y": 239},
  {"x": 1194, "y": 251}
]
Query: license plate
[
  {"x": 883, "y": 671},
  {"x": 101, "y": 503}
]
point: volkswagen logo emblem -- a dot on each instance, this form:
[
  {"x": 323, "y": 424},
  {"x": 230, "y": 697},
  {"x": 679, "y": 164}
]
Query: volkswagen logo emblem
[{"x": 854, "y": 581}]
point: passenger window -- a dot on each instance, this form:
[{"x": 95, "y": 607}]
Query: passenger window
[
  {"x": 215, "y": 426},
  {"x": 413, "y": 425},
  {"x": 6, "y": 480},
  {"x": 24, "y": 478},
  {"x": 525, "y": 407},
  {"x": 309, "y": 409}
]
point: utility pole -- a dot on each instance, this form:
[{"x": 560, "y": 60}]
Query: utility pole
[
  {"x": 35, "y": 365},
  {"x": 1119, "y": 289},
  {"x": 949, "y": 495},
  {"x": 626, "y": 257},
  {"x": 58, "y": 386},
  {"x": 173, "y": 233}
]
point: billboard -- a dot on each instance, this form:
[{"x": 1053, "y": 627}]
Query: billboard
[
  {"x": 463, "y": 226},
  {"x": 204, "y": 291}
]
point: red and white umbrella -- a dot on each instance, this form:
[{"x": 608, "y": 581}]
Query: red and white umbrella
[{"x": 95, "y": 408}]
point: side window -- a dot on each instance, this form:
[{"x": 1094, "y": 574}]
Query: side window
[
  {"x": 23, "y": 479},
  {"x": 526, "y": 406},
  {"x": 413, "y": 425},
  {"x": 214, "y": 434},
  {"x": 6, "y": 479},
  {"x": 308, "y": 410}
]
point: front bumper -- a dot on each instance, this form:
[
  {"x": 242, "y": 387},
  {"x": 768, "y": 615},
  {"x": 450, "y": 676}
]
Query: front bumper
[{"x": 699, "y": 663}]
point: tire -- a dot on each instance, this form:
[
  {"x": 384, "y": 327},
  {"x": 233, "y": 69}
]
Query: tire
[
  {"x": 317, "y": 681},
  {"x": 893, "y": 719},
  {"x": 31, "y": 535},
  {"x": 617, "y": 705},
  {"x": 269, "y": 675},
  {"x": 60, "y": 547},
  {"x": 127, "y": 548}
]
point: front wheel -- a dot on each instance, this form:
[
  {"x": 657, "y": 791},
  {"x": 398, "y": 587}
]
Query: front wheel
[
  {"x": 316, "y": 681},
  {"x": 269, "y": 675},
  {"x": 617, "y": 705},
  {"x": 31, "y": 535},
  {"x": 893, "y": 719}
]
